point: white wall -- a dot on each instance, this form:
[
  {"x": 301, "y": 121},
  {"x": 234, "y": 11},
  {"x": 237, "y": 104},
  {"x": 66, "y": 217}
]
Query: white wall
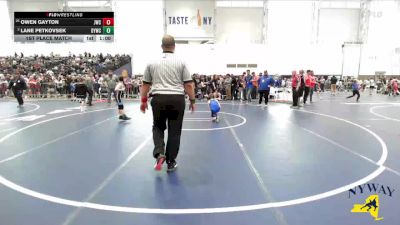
[
  {"x": 239, "y": 25},
  {"x": 212, "y": 59},
  {"x": 338, "y": 25},
  {"x": 383, "y": 38},
  {"x": 289, "y": 35}
]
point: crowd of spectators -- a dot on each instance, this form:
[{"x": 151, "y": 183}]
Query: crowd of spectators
[
  {"x": 246, "y": 86},
  {"x": 55, "y": 75},
  {"x": 232, "y": 87}
]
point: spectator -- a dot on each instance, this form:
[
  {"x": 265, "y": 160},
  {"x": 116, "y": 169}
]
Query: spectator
[
  {"x": 3, "y": 85},
  {"x": 228, "y": 87},
  {"x": 249, "y": 86},
  {"x": 89, "y": 82},
  {"x": 264, "y": 84},
  {"x": 34, "y": 86},
  {"x": 307, "y": 87},
  {"x": 333, "y": 85},
  {"x": 322, "y": 83},
  {"x": 295, "y": 89},
  {"x": 110, "y": 83}
]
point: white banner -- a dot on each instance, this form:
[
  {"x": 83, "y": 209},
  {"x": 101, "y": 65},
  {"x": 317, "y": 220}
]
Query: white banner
[{"x": 190, "y": 19}]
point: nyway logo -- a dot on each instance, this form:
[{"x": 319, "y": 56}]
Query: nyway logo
[{"x": 372, "y": 202}]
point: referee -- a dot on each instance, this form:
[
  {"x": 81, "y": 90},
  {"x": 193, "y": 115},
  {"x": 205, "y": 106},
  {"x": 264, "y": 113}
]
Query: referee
[{"x": 169, "y": 79}]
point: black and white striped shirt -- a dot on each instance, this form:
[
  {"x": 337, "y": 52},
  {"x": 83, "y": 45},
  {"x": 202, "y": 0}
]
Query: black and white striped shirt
[{"x": 167, "y": 75}]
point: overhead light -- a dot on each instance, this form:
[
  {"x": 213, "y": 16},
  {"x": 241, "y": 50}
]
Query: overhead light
[{"x": 87, "y": 3}]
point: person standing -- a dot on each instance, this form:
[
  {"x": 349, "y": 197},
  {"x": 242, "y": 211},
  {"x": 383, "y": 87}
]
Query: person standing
[
  {"x": 110, "y": 84},
  {"x": 295, "y": 89},
  {"x": 313, "y": 85},
  {"x": 395, "y": 87},
  {"x": 389, "y": 88},
  {"x": 307, "y": 87},
  {"x": 89, "y": 81},
  {"x": 242, "y": 87},
  {"x": 169, "y": 79},
  {"x": 68, "y": 85},
  {"x": 228, "y": 86},
  {"x": 3, "y": 86},
  {"x": 44, "y": 85},
  {"x": 81, "y": 92},
  {"x": 234, "y": 88},
  {"x": 18, "y": 85},
  {"x": 249, "y": 86},
  {"x": 333, "y": 85},
  {"x": 32, "y": 83},
  {"x": 254, "y": 80},
  {"x": 264, "y": 84},
  {"x": 371, "y": 86},
  {"x": 322, "y": 83},
  {"x": 300, "y": 91}
]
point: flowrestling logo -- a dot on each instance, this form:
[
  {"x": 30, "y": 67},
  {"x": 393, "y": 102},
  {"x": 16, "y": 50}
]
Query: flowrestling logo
[{"x": 373, "y": 202}]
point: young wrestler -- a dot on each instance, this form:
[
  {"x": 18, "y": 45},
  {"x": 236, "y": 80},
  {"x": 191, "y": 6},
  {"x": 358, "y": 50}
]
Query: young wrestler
[
  {"x": 81, "y": 92},
  {"x": 215, "y": 107},
  {"x": 355, "y": 87},
  {"x": 119, "y": 92}
]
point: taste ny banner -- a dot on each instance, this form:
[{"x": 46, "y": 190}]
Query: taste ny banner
[{"x": 190, "y": 19}]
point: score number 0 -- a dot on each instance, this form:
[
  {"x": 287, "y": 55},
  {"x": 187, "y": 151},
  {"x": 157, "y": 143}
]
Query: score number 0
[{"x": 108, "y": 21}]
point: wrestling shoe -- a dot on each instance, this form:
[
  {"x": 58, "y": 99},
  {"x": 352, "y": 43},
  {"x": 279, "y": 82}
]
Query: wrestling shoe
[{"x": 159, "y": 162}]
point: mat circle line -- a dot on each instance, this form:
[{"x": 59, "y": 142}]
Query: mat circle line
[
  {"x": 371, "y": 110},
  {"x": 32, "y": 110},
  {"x": 218, "y": 128}
]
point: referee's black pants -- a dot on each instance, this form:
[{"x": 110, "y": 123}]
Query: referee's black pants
[{"x": 167, "y": 110}]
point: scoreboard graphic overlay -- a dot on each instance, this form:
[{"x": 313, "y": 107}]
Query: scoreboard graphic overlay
[{"x": 56, "y": 27}]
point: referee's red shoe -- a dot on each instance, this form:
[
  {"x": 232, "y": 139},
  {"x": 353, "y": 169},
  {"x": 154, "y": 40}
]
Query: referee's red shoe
[{"x": 159, "y": 162}]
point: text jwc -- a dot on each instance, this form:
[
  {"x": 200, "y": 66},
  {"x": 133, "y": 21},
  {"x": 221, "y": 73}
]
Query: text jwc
[
  {"x": 372, "y": 188},
  {"x": 184, "y": 20}
]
